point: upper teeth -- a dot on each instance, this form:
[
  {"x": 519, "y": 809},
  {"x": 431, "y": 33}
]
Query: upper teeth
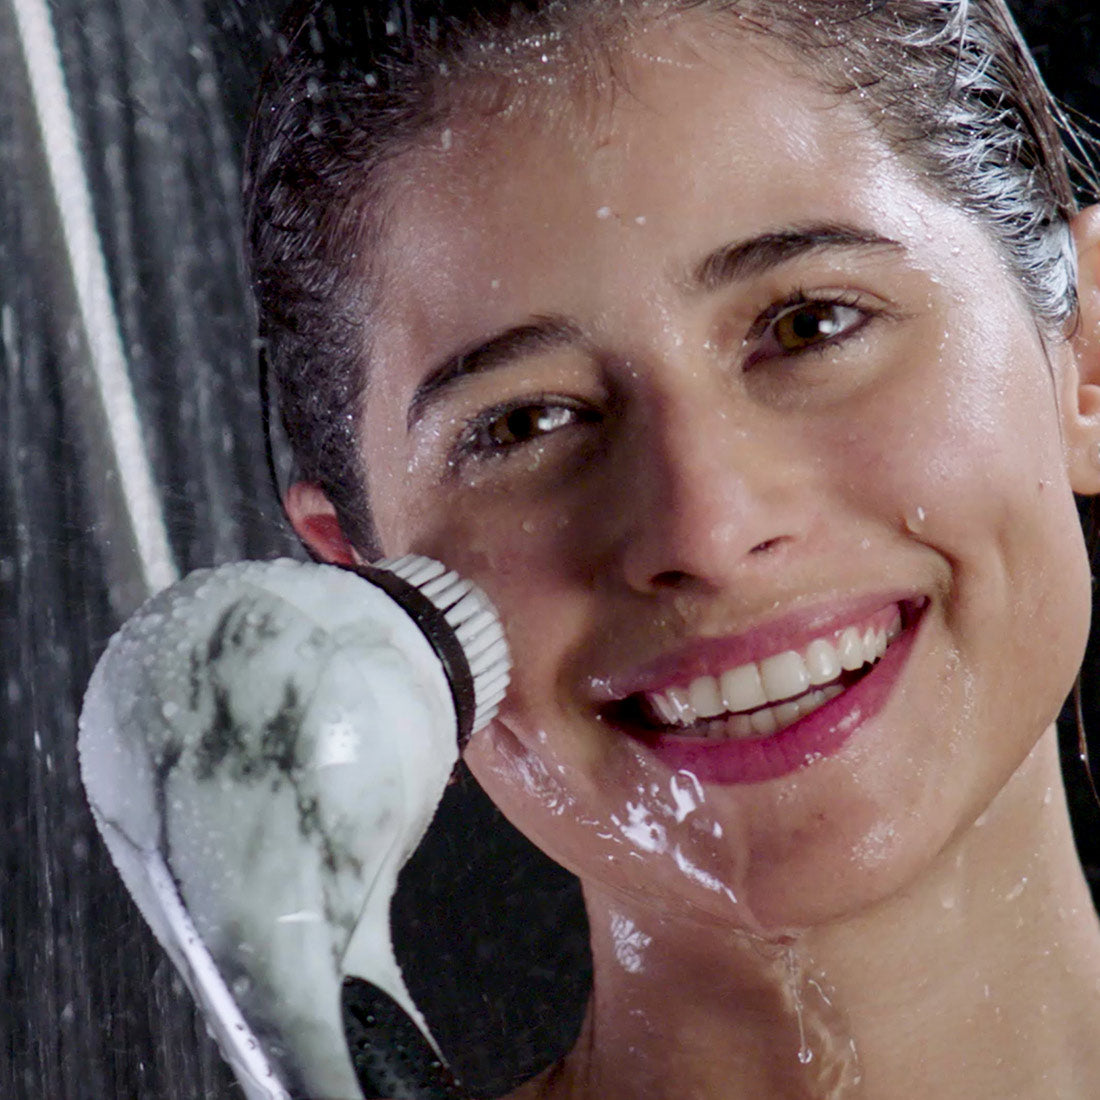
[{"x": 774, "y": 679}]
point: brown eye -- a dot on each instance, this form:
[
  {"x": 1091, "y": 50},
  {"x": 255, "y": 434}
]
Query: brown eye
[
  {"x": 506, "y": 430},
  {"x": 808, "y": 323},
  {"x": 525, "y": 423}
]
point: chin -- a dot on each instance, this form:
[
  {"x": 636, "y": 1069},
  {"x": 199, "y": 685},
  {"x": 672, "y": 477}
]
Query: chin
[{"x": 838, "y": 878}]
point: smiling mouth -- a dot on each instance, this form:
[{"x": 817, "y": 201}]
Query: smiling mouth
[{"x": 761, "y": 698}]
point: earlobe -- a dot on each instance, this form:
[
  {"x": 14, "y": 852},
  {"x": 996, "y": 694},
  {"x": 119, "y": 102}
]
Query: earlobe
[
  {"x": 317, "y": 525},
  {"x": 1081, "y": 413}
]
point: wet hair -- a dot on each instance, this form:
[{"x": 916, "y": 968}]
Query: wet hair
[{"x": 949, "y": 84}]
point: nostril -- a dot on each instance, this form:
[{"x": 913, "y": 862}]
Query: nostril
[{"x": 671, "y": 578}]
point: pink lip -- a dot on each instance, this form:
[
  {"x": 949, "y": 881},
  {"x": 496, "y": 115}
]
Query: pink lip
[
  {"x": 713, "y": 656},
  {"x": 816, "y": 736}
]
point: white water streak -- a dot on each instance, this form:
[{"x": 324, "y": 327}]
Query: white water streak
[{"x": 92, "y": 289}]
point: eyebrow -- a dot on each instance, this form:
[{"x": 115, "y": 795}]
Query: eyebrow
[
  {"x": 754, "y": 256},
  {"x": 733, "y": 262},
  {"x": 538, "y": 334}
]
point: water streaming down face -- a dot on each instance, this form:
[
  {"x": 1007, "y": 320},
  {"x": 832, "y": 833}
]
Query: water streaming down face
[{"x": 159, "y": 90}]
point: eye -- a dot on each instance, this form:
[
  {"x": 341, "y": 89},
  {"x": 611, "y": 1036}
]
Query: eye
[
  {"x": 517, "y": 426},
  {"x": 501, "y": 429},
  {"x": 800, "y": 326},
  {"x": 793, "y": 327}
]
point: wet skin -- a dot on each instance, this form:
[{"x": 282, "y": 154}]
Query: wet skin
[
  {"x": 676, "y": 460},
  {"x": 695, "y": 481}
]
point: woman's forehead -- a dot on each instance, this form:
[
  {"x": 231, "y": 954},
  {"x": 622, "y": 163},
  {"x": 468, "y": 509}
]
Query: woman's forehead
[
  {"x": 530, "y": 211},
  {"x": 685, "y": 69}
]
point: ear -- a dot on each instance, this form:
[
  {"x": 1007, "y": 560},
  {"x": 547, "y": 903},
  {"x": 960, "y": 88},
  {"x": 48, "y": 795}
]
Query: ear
[
  {"x": 314, "y": 519},
  {"x": 1081, "y": 411}
]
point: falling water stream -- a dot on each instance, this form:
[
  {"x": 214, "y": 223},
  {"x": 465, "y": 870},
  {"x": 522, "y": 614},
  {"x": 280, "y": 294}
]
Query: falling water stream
[
  {"x": 826, "y": 1049},
  {"x": 140, "y": 135},
  {"x": 154, "y": 95}
]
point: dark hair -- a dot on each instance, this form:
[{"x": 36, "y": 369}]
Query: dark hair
[{"x": 948, "y": 83}]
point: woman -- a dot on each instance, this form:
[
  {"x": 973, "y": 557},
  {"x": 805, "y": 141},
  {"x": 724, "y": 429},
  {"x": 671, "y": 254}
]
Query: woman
[{"x": 749, "y": 356}]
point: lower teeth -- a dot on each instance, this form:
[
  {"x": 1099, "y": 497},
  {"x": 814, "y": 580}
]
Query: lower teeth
[{"x": 766, "y": 720}]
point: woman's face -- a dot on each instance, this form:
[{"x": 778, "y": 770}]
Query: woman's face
[{"x": 691, "y": 375}]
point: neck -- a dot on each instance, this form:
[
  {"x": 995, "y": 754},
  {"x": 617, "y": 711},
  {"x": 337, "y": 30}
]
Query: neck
[{"x": 980, "y": 979}]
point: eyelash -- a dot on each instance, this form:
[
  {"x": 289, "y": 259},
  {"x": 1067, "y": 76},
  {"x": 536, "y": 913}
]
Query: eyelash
[{"x": 474, "y": 444}]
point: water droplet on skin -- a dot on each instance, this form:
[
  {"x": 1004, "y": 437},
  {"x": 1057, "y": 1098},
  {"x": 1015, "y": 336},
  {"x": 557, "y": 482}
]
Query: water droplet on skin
[
  {"x": 687, "y": 794},
  {"x": 528, "y": 526},
  {"x": 495, "y": 284},
  {"x": 640, "y": 219},
  {"x": 604, "y": 212},
  {"x": 1049, "y": 796},
  {"x": 629, "y": 943},
  {"x": 914, "y": 520},
  {"x": 446, "y": 138}
]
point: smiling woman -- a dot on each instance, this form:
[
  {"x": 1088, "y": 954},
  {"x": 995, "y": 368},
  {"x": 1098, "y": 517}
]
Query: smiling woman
[{"x": 748, "y": 356}]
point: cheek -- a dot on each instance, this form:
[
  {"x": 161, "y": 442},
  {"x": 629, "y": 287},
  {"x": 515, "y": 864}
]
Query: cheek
[
  {"x": 537, "y": 555},
  {"x": 524, "y": 560},
  {"x": 962, "y": 471},
  {"x": 962, "y": 452}
]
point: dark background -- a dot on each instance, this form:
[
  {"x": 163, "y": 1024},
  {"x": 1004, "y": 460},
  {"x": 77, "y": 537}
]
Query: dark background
[{"x": 492, "y": 935}]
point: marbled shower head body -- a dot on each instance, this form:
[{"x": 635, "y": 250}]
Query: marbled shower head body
[{"x": 263, "y": 746}]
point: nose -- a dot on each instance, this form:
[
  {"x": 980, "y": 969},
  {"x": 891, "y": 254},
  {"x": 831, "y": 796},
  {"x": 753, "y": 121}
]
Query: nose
[{"x": 717, "y": 495}]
